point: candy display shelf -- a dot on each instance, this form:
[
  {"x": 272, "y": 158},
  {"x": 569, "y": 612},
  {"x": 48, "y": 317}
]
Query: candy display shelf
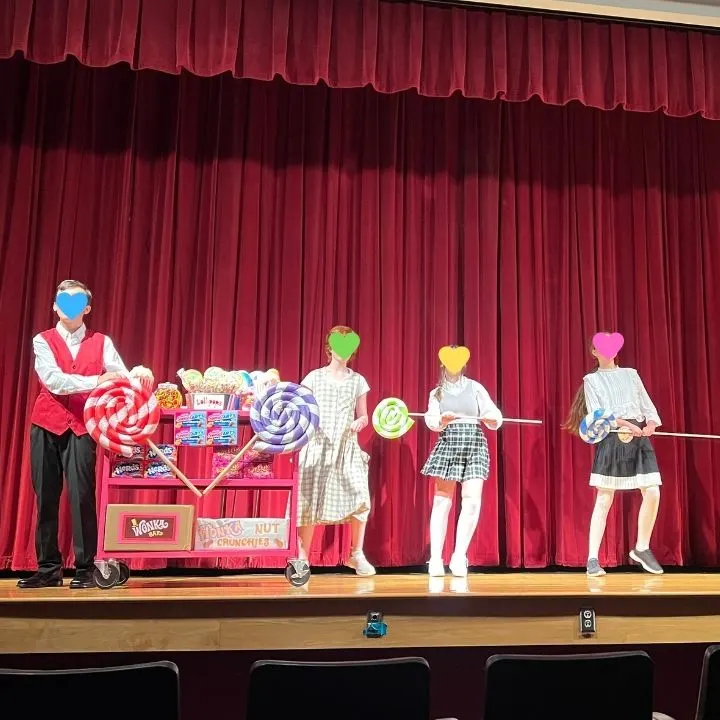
[{"x": 171, "y": 531}]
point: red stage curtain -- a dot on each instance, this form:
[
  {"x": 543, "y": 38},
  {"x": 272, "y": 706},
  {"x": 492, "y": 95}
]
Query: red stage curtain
[
  {"x": 392, "y": 46},
  {"x": 231, "y": 222}
]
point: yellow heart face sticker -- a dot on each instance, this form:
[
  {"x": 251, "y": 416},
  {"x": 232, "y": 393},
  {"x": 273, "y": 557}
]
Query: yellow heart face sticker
[{"x": 454, "y": 359}]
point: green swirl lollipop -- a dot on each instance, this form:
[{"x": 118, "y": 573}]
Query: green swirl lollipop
[{"x": 391, "y": 419}]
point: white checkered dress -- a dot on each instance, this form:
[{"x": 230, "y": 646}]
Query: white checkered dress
[{"x": 333, "y": 469}]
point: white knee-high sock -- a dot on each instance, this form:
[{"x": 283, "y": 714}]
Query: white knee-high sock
[
  {"x": 647, "y": 516},
  {"x": 469, "y": 516},
  {"x": 603, "y": 503},
  {"x": 438, "y": 525}
]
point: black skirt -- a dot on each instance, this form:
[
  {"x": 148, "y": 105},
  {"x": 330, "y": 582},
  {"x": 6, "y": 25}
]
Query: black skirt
[{"x": 625, "y": 466}]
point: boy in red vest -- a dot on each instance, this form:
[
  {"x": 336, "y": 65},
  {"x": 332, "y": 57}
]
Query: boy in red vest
[{"x": 70, "y": 361}]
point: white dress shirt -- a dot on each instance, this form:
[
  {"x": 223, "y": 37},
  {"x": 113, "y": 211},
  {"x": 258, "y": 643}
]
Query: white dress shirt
[
  {"x": 487, "y": 410},
  {"x": 621, "y": 391},
  {"x": 60, "y": 383}
]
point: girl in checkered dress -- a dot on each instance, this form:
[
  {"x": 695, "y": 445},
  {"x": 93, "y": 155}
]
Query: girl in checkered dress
[
  {"x": 456, "y": 409},
  {"x": 332, "y": 468}
]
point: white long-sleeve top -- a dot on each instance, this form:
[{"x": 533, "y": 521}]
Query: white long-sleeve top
[
  {"x": 486, "y": 408},
  {"x": 60, "y": 383},
  {"x": 621, "y": 391}
]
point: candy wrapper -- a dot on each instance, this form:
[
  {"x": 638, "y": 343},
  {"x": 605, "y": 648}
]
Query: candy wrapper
[
  {"x": 247, "y": 400},
  {"x": 138, "y": 453},
  {"x": 169, "y": 451},
  {"x": 157, "y": 469},
  {"x": 127, "y": 469},
  {"x": 191, "y": 419},
  {"x": 191, "y": 436},
  {"x": 224, "y": 418},
  {"x": 252, "y": 465},
  {"x": 218, "y": 435}
]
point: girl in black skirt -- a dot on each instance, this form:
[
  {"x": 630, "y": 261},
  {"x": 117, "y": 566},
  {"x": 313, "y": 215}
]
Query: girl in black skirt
[
  {"x": 618, "y": 465},
  {"x": 460, "y": 456}
]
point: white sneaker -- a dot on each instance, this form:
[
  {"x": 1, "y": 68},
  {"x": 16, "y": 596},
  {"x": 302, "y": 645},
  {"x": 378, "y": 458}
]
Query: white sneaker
[
  {"x": 458, "y": 566},
  {"x": 359, "y": 563},
  {"x": 436, "y": 568}
]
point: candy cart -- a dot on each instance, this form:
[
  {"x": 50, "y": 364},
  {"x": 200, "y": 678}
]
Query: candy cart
[{"x": 124, "y": 418}]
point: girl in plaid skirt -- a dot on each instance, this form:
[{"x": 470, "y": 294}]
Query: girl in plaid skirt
[{"x": 456, "y": 409}]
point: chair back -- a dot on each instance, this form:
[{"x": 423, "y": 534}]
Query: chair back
[
  {"x": 395, "y": 689},
  {"x": 708, "y": 707},
  {"x": 602, "y": 686},
  {"x": 147, "y": 690}
]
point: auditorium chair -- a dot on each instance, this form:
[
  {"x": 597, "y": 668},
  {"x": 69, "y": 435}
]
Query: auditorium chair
[
  {"x": 599, "y": 686},
  {"x": 395, "y": 689},
  {"x": 708, "y": 707},
  {"x": 150, "y": 691}
]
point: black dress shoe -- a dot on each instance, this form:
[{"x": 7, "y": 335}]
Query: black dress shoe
[
  {"x": 83, "y": 579},
  {"x": 42, "y": 580}
]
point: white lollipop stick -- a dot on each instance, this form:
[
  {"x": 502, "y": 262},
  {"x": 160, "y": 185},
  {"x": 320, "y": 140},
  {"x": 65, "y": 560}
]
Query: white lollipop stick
[
  {"x": 473, "y": 417},
  {"x": 626, "y": 431}
]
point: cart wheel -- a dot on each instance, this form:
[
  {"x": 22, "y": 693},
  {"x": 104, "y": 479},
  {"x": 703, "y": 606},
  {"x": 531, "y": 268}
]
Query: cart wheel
[
  {"x": 105, "y": 583},
  {"x": 297, "y": 572},
  {"x": 124, "y": 573}
]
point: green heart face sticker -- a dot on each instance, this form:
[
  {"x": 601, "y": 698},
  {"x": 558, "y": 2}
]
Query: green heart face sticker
[{"x": 344, "y": 345}]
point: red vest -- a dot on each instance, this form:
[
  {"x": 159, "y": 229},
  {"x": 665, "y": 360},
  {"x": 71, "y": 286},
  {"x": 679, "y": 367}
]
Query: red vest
[{"x": 59, "y": 413}]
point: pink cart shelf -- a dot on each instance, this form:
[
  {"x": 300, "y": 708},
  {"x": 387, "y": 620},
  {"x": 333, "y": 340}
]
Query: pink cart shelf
[{"x": 111, "y": 571}]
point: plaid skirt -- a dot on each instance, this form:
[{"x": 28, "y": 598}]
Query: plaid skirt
[
  {"x": 624, "y": 466},
  {"x": 461, "y": 453}
]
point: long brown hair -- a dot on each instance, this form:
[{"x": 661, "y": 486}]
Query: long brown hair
[{"x": 578, "y": 409}]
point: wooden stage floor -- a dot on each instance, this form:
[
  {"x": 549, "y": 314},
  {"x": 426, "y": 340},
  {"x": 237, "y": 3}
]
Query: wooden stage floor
[{"x": 264, "y": 612}]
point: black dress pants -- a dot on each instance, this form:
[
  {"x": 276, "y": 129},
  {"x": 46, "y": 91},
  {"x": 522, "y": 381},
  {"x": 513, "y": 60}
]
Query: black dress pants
[{"x": 50, "y": 456}]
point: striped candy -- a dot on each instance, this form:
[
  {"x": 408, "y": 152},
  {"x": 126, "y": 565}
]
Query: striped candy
[
  {"x": 596, "y": 426},
  {"x": 120, "y": 414},
  {"x": 391, "y": 419},
  {"x": 284, "y": 418}
]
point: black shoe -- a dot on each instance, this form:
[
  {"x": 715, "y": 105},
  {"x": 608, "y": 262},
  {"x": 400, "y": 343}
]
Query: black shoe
[
  {"x": 83, "y": 579},
  {"x": 42, "y": 580}
]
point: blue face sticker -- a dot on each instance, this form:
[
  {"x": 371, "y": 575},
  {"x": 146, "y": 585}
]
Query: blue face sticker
[{"x": 71, "y": 305}]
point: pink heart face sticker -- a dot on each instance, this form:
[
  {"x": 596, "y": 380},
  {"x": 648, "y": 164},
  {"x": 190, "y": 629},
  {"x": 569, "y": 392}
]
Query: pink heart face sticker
[{"x": 608, "y": 344}]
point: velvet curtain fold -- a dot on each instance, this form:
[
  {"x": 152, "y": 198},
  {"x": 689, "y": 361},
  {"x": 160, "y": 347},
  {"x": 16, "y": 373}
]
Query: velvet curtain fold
[{"x": 389, "y": 45}]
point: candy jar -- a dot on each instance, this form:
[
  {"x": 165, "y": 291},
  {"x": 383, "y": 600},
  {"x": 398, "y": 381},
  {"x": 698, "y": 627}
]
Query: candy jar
[{"x": 168, "y": 396}]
